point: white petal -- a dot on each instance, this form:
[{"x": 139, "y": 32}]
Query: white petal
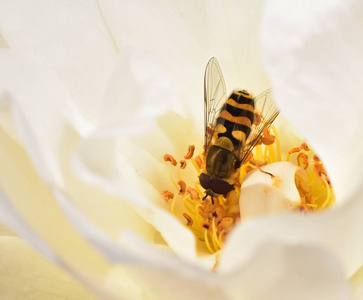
[
  {"x": 33, "y": 204},
  {"x": 41, "y": 109},
  {"x": 12, "y": 219},
  {"x": 69, "y": 37},
  {"x": 2, "y": 42},
  {"x": 153, "y": 28},
  {"x": 131, "y": 173},
  {"x": 138, "y": 90},
  {"x": 314, "y": 57},
  {"x": 225, "y": 29},
  {"x": 288, "y": 270},
  {"x": 45, "y": 130},
  {"x": 339, "y": 230},
  {"x": 262, "y": 195},
  {"x": 275, "y": 271},
  {"x": 24, "y": 272},
  {"x": 233, "y": 28},
  {"x": 32, "y": 213},
  {"x": 357, "y": 283}
]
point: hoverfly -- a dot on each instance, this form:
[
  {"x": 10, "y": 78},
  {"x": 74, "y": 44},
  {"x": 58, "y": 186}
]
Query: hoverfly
[{"x": 233, "y": 127}]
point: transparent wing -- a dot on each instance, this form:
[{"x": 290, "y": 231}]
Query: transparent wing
[
  {"x": 214, "y": 97},
  {"x": 266, "y": 112}
]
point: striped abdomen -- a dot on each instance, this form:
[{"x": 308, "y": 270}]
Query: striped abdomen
[{"x": 236, "y": 118}]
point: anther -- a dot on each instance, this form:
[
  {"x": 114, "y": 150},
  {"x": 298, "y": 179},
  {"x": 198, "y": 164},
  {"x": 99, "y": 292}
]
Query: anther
[
  {"x": 167, "y": 195},
  {"x": 193, "y": 193},
  {"x": 190, "y": 153},
  {"x": 189, "y": 219},
  {"x": 168, "y": 157},
  {"x": 294, "y": 150},
  {"x": 182, "y": 186},
  {"x": 183, "y": 164},
  {"x": 302, "y": 208},
  {"x": 267, "y": 138},
  {"x": 305, "y": 147},
  {"x": 205, "y": 225},
  {"x": 302, "y": 161},
  {"x": 316, "y": 158}
]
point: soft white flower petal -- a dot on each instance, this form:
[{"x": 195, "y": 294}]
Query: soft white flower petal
[
  {"x": 125, "y": 171},
  {"x": 49, "y": 232},
  {"x": 42, "y": 108},
  {"x": 150, "y": 265},
  {"x": 138, "y": 90},
  {"x": 233, "y": 38},
  {"x": 274, "y": 271},
  {"x": 32, "y": 201},
  {"x": 69, "y": 37},
  {"x": 7, "y": 121},
  {"x": 288, "y": 270},
  {"x": 359, "y": 294},
  {"x": 39, "y": 109},
  {"x": 205, "y": 29},
  {"x": 263, "y": 195},
  {"x": 2, "y": 42},
  {"x": 24, "y": 273},
  {"x": 319, "y": 275},
  {"x": 313, "y": 53},
  {"x": 154, "y": 27},
  {"x": 357, "y": 283},
  {"x": 10, "y": 217},
  {"x": 339, "y": 230},
  {"x": 274, "y": 266}
]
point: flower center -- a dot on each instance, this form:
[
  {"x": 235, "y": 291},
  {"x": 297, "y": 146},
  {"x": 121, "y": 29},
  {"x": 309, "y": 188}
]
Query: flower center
[{"x": 212, "y": 218}]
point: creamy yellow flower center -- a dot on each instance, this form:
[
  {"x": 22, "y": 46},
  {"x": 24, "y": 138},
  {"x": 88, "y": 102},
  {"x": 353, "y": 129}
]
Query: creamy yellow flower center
[{"x": 211, "y": 219}]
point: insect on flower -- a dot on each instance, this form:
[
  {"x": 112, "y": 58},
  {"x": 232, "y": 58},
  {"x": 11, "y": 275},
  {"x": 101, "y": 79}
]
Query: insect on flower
[{"x": 233, "y": 127}]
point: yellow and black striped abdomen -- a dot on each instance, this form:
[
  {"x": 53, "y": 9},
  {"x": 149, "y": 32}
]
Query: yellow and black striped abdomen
[{"x": 236, "y": 118}]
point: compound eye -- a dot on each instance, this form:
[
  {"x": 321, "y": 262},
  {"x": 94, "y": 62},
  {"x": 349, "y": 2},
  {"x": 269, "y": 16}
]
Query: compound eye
[
  {"x": 204, "y": 180},
  {"x": 220, "y": 186}
]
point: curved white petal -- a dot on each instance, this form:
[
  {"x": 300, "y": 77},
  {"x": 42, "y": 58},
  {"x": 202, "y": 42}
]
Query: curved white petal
[
  {"x": 262, "y": 195},
  {"x": 25, "y": 272},
  {"x": 313, "y": 53},
  {"x": 205, "y": 29},
  {"x": 288, "y": 270},
  {"x": 28, "y": 208},
  {"x": 12, "y": 219},
  {"x": 339, "y": 230},
  {"x": 125, "y": 170},
  {"x": 41, "y": 108},
  {"x": 267, "y": 274},
  {"x": 71, "y": 39},
  {"x": 137, "y": 91}
]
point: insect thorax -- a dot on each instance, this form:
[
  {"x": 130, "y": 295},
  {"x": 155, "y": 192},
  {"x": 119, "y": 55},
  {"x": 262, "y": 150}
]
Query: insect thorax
[{"x": 220, "y": 160}]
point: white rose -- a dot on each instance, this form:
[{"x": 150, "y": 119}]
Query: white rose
[{"x": 84, "y": 88}]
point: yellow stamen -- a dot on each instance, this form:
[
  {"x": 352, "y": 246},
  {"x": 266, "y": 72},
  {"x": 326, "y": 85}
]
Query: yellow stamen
[
  {"x": 216, "y": 239},
  {"x": 207, "y": 241},
  {"x": 172, "y": 207},
  {"x": 195, "y": 165},
  {"x": 327, "y": 199},
  {"x": 277, "y": 142},
  {"x": 173, "y": 181},
  {"x": 214, "y": 235},
  {"x": 186, "y": 202}
]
